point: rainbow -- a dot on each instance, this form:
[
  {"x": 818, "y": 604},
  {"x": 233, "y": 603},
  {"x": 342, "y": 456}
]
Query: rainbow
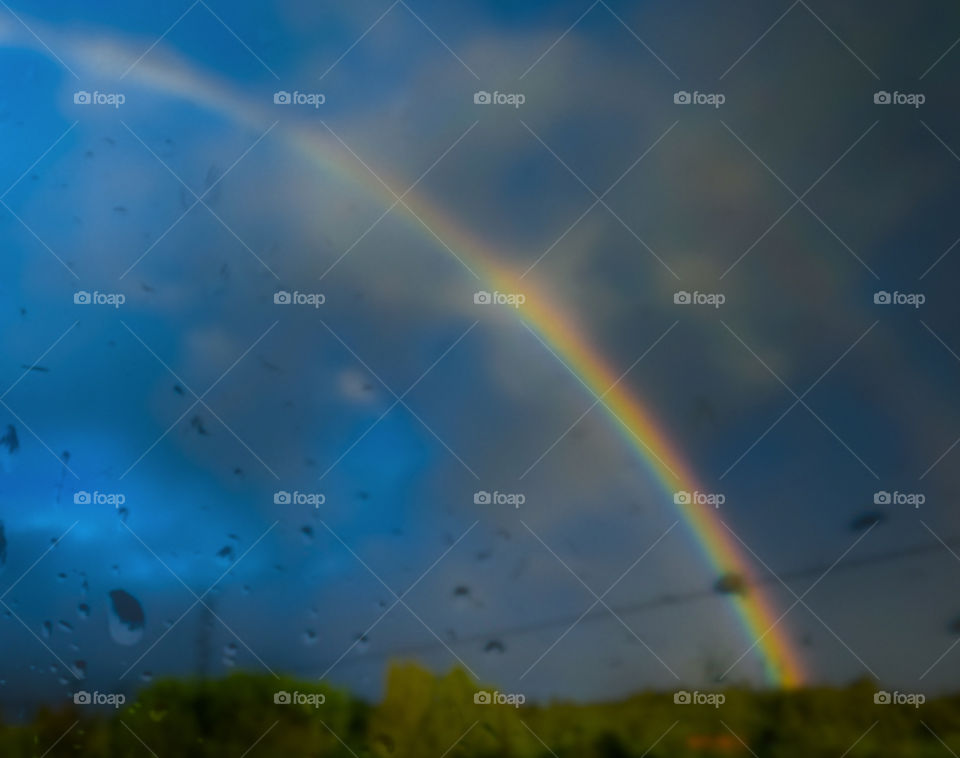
[{"x": 758, "y": 616}]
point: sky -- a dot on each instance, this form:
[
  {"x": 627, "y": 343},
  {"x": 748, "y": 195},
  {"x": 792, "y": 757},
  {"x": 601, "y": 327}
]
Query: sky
[{"x": 788, "y": 198}]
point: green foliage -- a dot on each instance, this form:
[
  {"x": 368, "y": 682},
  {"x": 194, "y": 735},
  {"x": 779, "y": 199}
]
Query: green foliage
[{"x": 424, "y": 716}]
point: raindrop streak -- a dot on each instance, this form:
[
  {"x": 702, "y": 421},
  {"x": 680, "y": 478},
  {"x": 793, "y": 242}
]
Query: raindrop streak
[
  {"x": 10, "y": 440},
  {"x": 868, "y": 519},
  {"x": 362, "y": 643},
  {"x": 126, "y": 618}
]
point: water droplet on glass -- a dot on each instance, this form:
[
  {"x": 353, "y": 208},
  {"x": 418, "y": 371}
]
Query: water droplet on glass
[
  {"x": 126, "y": 618},
  {"x": 83, "y": 610},
  {"x": 730, "y": 583},
  {"x": 47, "y": 629},
  {"x": 362, "y": 643},
  {"x": 868, "y": 519},
  {"x": 310, "y": 637},
  {"x": 385, "y": 743}
]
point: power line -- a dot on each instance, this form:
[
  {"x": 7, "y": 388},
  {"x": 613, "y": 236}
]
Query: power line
[{"x": 665, "y": 600}]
